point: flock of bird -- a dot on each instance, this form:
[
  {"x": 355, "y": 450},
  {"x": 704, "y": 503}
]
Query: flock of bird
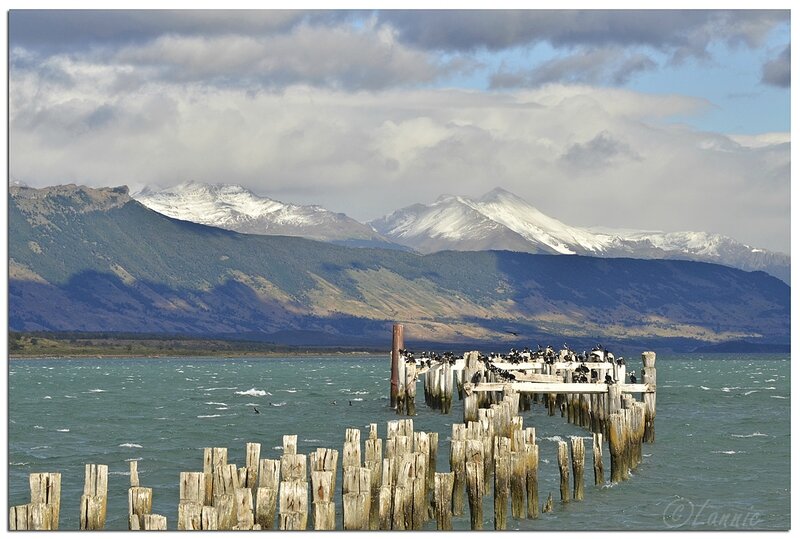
[{"x": 547, "y": 355}]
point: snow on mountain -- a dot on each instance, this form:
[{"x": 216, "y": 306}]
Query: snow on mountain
[
  {"x": 235, "y": 208},
  {"x": 501, "y": 220}
]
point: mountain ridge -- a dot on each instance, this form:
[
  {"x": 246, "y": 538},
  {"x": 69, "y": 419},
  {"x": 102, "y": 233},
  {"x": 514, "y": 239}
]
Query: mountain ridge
[
  {"x": 507, "y": 221},
  {"x": 84, "y": 259}
]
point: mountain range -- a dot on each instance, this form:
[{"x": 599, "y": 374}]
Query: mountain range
[
  {"x": 499, "y": 220},
  {"x": 233, "y": 207},
  {"x": 83, "y": 259},
  {"x": 502, "y": 220}
]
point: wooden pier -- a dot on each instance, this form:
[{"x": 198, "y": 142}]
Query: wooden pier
[{"x": 394, "y": 483}]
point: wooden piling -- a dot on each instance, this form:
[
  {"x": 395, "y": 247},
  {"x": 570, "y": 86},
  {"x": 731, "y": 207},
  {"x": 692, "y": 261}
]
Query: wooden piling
[
  {"x": 208, "y": 518},
  {"x": 563, "y": 469},
  {"x": 324, "y": 514},
  {"x": 458, "y": 467},
  {"x": 394, "y": 382},
  {"x": 95, "y": 496},
  {"x": 475, "y": 494},
  {"x": 373, "y": 459},
  {"x": 134, "y": 473},
  {"x": 443, "y": 493},
  {"x": 190, "y": 504},
  {"x": 577, "y": 454},
  {"x": 597, "y": 454},
  {"x": 649, "y": 377},
  {"x": 269, "y": 471},
  {"x": 410, "y": 386},
  {"x": 293, "y": 506},
  {"x": 617, "y": 446},
  {"x": 502, "y": 477},
  {"x": 140, "y": 503},
  {"x": 532, "y": 479},
  {"x": 243, "y": 500},
  {"x": 518, "y": 480},
  {"x": 46, "y": 490},
  {"x": 252, "y": 458},
  {"x": 547, "y": 507},
  {"x": 155, "y": 522},
  {"x": 356, "y": 488}
]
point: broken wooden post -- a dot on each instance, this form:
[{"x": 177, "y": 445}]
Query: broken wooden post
[
  {"x": 293, "y": 505},
  {"x": 140, "y": 503},
  {"x": 577, "y": 453},
  {"x": 563, "y": 469},
  {"x": 269, "y": 472},
  {"x": 95, "y": 496},
  {"x": 46, "y": 489},
  {"x": 190, "y": 504},
  {"x": 155, "y": 522},
  {"x": 502, "y": 477},
  {"x": 532, "y": 478},
  {"x": 518, "y": 480},
  {"x": 243, "y": 499},
  {"x": 616, "y": 446},
  {"x": 443, "y": 493},
  {"x": 252, "y": 458},
  {"x": 356, "y": 487},
  {"x": 373, "y": 459},
  {"x": 475, "y": 483},
  {"x": 597, "y": 454},
  {"x": 410, "y": 386},
  {"x": 649, "y": 377},
  {"x": 322, "y": 500},
  {"x": 458, "y": 467}
]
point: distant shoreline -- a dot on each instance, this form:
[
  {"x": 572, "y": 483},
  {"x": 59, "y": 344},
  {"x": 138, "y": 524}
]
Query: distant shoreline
[{"x": 268, "y": 355}]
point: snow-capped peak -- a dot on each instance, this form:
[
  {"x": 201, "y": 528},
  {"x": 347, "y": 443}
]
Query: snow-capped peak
[{"x": 236, "y": 208}]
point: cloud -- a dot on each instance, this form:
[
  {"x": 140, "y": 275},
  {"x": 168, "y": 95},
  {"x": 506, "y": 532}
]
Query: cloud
[
  {"x": 684, "y": 33},
  {"x": 566, "y": 148},
  {"x": 601, "y": 151},
  {"x": 593, "y": 66},
  {"x": 778, "y": 71}
]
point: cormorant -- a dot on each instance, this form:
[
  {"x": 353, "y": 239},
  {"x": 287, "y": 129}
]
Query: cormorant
[{"x": 256, "y": 410}]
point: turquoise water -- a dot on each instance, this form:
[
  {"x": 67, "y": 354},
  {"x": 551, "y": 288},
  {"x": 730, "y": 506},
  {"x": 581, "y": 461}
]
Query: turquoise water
[{"x": 721, "y": 458}]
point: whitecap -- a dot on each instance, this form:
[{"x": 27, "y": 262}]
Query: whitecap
[
  {"x": 546, "y": 461},
  {"x": 96, "y": 391},
  {"x": 216, "y": 388},
  {"x": 704, "y": 388},
  {"x": 253, "y": 392},
  {"x": 313, "y": 441},
  {"x": 119, "y": 473},
  {"x": 357, "y": 399},
  {"x": 753, "y": 435},
  {"x": 18, "y": 463},
  {"x": 212, "y": 403},
  {"x": 751, "y": 391},
  {"x": 40, "y": 447},
  {"x": 277, "y": 404},
  {"x": 289, "y": 390},
  {"x": 278, "y": 447},
  {"x": 221, "y": 408},
  {"x": 205, "y": 416},
  {"x": 554, "y": 438},
  {"x": 133, "y": 459},
  {"x": 38, "y": 427},
  {"x": 62, "y": 430},
  {"x": 770, "y": 387},
  {"x": 771, "y": 380},
  {"x": 47, "y": 397},
  {"x": 727, "y": 452},
  {"x": 129, "y": 445},
  {"x": 777, "y": 397}
]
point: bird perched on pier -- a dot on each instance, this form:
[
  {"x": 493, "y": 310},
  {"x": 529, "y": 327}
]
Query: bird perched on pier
[
  {"x": 633, "y": 378},
  {"x": 609, "y": 380}
]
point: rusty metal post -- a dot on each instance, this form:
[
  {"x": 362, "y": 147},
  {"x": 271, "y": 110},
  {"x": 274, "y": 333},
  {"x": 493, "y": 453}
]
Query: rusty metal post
[{"x": 397, "y": 344}]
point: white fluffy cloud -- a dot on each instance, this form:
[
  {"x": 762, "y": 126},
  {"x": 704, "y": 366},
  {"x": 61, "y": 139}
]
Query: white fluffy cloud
[{"x": 585, "y": 155}]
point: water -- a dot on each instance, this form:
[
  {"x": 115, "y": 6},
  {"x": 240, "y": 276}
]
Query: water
[{"x": 721, "y": 458}]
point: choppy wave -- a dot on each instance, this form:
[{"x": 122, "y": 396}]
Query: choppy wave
[
  {"x": 751, "y": 391},
  {"x": 554, "y": 438},
  {"x": 253, "y": 392},
  {"x": 40, "y": 447},
  {"x": 47, "y": 397},
  {"x": 212, "y": 403},
  {"x": 62, "y": 430},
  {"x": 778, "y": 397},
  {"x": 753, "y": 435},
  {"x": 277, "y": 404},
  {"x": 18, "y": 463},
  {"x": 206, "y": 416},
  {"x": 704, "y": 388},
  {"x": 38, "y": 427},
  {"x": 128, "y": 444},
  {"x": 727, "y": 452},
  {"x": 96, "y": 391}
]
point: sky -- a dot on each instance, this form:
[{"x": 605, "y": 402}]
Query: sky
[{"x": 654, "y": 119}]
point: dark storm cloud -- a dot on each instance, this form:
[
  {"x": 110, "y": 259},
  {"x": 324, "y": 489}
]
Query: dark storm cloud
[
  {"x": 778, "y": 72},
  {"x": 595, "y": 66},
  {"x": 683, "y": 32},
  {"x": 66, "y": 30}
]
